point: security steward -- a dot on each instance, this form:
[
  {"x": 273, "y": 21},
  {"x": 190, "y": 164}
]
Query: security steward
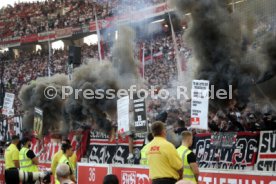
[
  {"x": 12, "y": 161},
  {"x": 58, "y": 155},
  {"x": 165, "y": 165},
  {"x": 27, "y": 158},
  {"x": 191, "y": 171},
  {"x": 67, "y": 153},
  {"x": 55, "y": 159},
  {"x": 144, "y": 159}
]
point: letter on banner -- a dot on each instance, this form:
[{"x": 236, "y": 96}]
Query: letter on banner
[
  {"x": 123, "y": 114},
  {"x": 38, "y": 122},
  {"x": 140, "y": 117},
  {"x": 267, "y": 151},
  {"x": 200, "y": 103}
]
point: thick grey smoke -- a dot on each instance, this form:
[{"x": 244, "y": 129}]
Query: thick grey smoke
[
  {"x": 120, "y": 73},
  {"x": 93, "y": 76},
  {"x": 32, "y": 96},
  {"x": 123, "y": 59},
  {"x": 220, "y": 46}
]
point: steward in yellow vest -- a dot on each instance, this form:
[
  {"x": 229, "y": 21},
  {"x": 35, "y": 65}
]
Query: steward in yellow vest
[
  {"x": 12, "y": 161},
  {"x": 27, "y": 159},
  {"x": 165, "y": 165},
  {"x": 190, "y": 167},
  {"x": 67, "y": 153},
  {"x": 55, "y": 159},
  {"x": 144, "y": 159}
]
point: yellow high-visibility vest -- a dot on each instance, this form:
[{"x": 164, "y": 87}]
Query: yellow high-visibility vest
[
  {"x": 64, "y": 160},
  {"x": 188, "y": 174},
  {"x": 144, "y": 159},
  {"x": 11, "y": 154},
  {"x": 26, "y": 164}
]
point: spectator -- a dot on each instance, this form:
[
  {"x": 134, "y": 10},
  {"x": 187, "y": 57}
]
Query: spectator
[
  {"x": 63, "y": 174},
  {"x": 110, "y": 179}
]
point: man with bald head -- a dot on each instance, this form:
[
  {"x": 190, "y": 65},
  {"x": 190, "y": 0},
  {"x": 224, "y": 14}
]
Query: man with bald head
[{"x": 63, "y": 174}]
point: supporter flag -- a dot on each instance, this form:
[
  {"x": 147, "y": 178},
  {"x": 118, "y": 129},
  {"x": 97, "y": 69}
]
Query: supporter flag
[
  {"x": 158, "y": 55},
  {"x": 79, "y": 142}
]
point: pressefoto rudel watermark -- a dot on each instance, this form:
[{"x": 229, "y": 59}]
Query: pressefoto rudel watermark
[{"x": 182, "y": 92}]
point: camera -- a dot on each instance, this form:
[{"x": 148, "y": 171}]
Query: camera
[{"x": 16, "y": 176}]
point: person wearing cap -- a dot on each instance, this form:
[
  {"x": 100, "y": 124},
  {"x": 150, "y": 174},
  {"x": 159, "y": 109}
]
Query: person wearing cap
[
  {"x": 165, "y": 165},
  {"x": 67, "y": 153},
  {"x": 11, "y": 161},
  {"x": 27, "y": 159}
]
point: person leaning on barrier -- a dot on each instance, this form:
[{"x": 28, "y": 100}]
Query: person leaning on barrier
[
  {"x": 27, "y": 158},
  {"x": 191, "y": 171},
  {"x": 63, "y": 174},
  {"x": 12, "y": 161},
  {"x": 165, "y": 165},
  {"x": 144, "y": 159}
]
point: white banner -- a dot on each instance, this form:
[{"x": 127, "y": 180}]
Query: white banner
[
  {"x": 8, "y": 104},
  {"x": 199, "y": 105},
  {"x": 267, "y": 151},
  {"x": 123, "y": 114}
]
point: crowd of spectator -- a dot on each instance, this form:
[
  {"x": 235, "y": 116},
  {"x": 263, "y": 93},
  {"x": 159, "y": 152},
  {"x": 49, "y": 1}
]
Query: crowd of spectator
[
  {"x": 31, "y": 18},
  {"x": 160, "y": 71},
  {"x": 160, "y": 60}
]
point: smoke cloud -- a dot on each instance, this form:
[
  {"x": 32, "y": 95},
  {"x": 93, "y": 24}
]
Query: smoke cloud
[
  {"x": 120, "y": 73},
  {"x": 32, "y": 96},
  {"x": 221, "y": 48}
]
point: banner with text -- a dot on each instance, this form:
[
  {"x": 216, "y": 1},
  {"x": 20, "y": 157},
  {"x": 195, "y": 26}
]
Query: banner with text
[
  {"x": 267, "y": 151},
  {"x": 123, "y": 114},
  {"x": 48, "y": 147},
  {"x": 104, "y": 150},
  {"x": 8, "y": 103},
  {"x": 29, "y": 38},
  {"x": 9, "y": 127},
  {"x": 236, "y": 151},
  {"x": 38, "y": 122},
  {"x": 200, "y": 104},
  {"x": 133, "y": 175},
  {"x": 234, "y": 178},
  {"x": 92, "y": 174},
  {"x": 10, "y": 42},
  {"x": 63, "y": 33},
  {"x": 43, "y": 37},
  {"x": 140, "y": 117}
]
